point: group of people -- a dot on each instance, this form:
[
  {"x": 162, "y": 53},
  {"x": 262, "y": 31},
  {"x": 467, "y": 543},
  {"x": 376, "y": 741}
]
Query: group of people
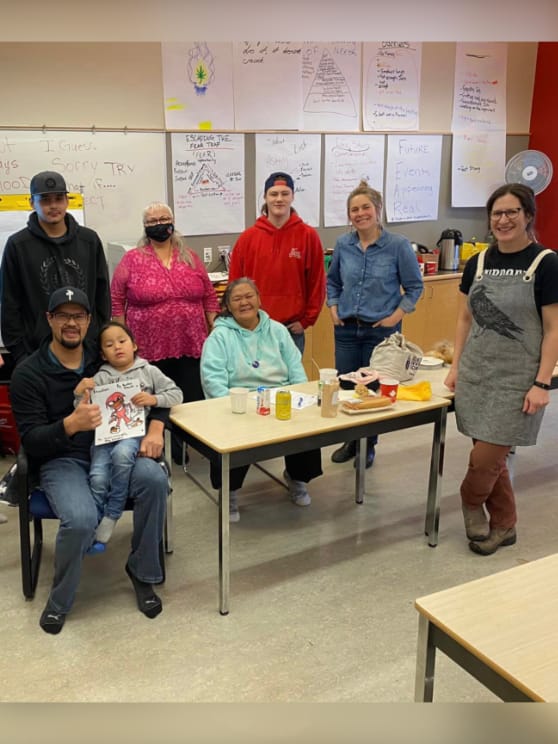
[{"x": 69, "y": 330}]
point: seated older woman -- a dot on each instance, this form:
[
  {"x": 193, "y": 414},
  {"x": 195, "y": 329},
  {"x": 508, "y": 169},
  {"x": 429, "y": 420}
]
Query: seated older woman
[{"x": 248, "y": 349}]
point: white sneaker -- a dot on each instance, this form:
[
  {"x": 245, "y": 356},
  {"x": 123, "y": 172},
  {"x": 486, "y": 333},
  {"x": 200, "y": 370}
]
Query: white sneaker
[
  {"x": 3, "y": 518},
  {"x": 234, "y": 514},
  {"x": 298, "y": 491}
]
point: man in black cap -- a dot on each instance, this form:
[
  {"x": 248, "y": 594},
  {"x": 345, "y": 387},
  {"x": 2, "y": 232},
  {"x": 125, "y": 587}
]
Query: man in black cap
[
  {"x": 52, "y": 251},
  {"x": 57, "y": 439}
]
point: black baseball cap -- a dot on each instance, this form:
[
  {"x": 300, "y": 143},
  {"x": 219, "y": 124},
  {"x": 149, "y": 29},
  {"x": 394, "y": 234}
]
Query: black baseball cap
[
  {"x": 48, "y": 182},
  {"x": 65, "y": 295}
]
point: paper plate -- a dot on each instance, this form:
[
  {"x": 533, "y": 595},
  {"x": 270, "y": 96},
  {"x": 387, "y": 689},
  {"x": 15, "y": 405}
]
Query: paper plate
[{"x": 429, "y": 362}]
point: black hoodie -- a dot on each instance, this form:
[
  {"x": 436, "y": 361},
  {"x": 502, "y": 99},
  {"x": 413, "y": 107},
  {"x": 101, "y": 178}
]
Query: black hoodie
[{"x": 33, "y": 266}]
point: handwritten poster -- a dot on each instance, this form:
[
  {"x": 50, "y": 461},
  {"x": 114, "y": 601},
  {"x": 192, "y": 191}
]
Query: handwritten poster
[
  {"x": 198, "y": 85},
  {"x": 267, "y": 85},
  {"x": 331, "y": 86},
  {"x": 413, "y": 177},
  {"x": 298, "y": 155},
  {"x": 208, "y": 182},
  {"x": 121, "y": 419},
  {"x": 391, "y": 85},
  {"x": 348, "y": 159},
  {"x": 478, "y": 161},
  {"x": 117, "y": 173},
  {"x": 479, "y": 97}
]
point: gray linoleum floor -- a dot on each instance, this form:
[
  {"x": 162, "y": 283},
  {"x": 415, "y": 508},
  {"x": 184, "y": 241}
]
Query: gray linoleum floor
[{"x": 321, "y": 598}]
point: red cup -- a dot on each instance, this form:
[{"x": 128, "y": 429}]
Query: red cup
[
  {"x": 430, "y": 267},
  {"x": 388, "y": 387}
]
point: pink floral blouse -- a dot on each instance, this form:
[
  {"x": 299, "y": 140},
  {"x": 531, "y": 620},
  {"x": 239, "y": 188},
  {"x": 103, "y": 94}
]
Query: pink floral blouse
[{"x": 164, "y": 308}]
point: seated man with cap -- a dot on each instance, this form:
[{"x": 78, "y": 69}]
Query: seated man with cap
[
  {"x": 52, "y": 251},
  {"x": 57, "y": 439}
]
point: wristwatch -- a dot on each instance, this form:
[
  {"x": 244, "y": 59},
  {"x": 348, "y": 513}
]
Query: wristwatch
[{"x": 541, "y": 385}]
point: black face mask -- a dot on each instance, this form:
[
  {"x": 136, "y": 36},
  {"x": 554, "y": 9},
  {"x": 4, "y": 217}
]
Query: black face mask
[{"x": 159, "y": 233}]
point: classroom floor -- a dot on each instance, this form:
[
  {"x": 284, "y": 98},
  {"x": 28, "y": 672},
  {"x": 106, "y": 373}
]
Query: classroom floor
[{"x": 321, "y": 597}]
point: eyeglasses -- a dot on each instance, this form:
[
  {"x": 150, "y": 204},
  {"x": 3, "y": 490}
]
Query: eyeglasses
[
  {"x": 157, "y": 221},
  {"x": 509, "y": 214},
  {"x": 66, "y": 317}
]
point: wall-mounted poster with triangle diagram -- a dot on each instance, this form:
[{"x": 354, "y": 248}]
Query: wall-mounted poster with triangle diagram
[
  {"x": 331, "y": 86},
  {"x": 208, "y": 182}
]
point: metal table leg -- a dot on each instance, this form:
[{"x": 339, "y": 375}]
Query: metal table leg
[{"x": 224, "y": 537}]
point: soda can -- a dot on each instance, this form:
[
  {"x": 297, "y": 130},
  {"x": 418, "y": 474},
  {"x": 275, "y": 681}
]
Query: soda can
[
  {"x": 263, "y": 404},
  {"x": 283, "y": 405}
]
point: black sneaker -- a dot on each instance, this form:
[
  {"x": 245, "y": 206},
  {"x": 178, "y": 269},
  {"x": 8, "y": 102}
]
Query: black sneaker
[
  {"x": 52, "y": 621},
  {"x": 344, "y": 453}
]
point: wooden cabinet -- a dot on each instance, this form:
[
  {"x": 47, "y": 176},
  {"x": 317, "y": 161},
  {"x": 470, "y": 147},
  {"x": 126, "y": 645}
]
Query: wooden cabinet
[
  {"x": 319, "y": 349},
  {"x": 435, "y": 315},
  {"x": 434, "y": 320}
]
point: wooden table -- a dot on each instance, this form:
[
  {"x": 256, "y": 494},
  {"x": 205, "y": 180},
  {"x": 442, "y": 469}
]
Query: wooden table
[
  {"x": 212, "y": 429},
  {"x": 502, "y": 629}
]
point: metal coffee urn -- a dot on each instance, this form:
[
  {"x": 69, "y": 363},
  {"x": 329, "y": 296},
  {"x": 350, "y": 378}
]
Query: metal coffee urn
[{"x": 449, "y": 244}]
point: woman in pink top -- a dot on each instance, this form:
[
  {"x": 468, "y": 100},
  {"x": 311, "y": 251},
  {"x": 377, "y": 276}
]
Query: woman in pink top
[{"x": 161, "y": 290}]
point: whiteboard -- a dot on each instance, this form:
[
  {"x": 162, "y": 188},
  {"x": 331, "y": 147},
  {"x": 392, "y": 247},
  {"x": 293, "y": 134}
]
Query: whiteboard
[{"x": 118, "y": 173}]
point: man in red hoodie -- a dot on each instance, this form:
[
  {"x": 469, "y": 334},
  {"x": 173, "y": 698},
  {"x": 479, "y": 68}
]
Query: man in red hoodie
[{"x": 285, "y": 257}]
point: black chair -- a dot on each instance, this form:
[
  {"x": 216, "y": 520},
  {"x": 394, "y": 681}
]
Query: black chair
[{"x": 34, "y": 507}]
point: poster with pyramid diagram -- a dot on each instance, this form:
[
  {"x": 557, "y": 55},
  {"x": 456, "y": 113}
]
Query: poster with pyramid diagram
[
  {"x": 331, "y": 86},
  {"x": 208, "y": 182}
]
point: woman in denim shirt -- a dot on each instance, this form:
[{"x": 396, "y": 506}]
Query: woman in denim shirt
[{"x": 373, "y": 281}]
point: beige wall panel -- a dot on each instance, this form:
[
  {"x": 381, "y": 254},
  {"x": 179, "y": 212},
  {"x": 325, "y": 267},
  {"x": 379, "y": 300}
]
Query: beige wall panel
[{"x": 81, "y": 85}]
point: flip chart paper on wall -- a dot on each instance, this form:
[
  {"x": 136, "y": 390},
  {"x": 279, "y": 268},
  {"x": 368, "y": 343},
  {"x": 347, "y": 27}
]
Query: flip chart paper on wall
[
  {"x": 267, "y": 85},
  {"x": 391, "y": 84},
  {"x": 479, "y": 96},
  {"x": 331, "y": 86},
  {"x": 208, "y": 182},
  {"x": 413, "y": 177},
  {"x": 118, "y": 173},
  {"x": 299, "y": 156},
  {"x": 198, "y": 85},
  {"x": 348, "y": 159},
  {"x": 478, "y": 161}
]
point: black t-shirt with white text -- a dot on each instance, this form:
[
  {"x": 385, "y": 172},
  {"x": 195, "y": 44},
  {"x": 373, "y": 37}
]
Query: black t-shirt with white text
[{"x": 497, "y": 264}]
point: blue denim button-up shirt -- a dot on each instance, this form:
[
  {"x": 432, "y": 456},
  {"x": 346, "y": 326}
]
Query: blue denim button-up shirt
[{"x": 367, "y": 284}]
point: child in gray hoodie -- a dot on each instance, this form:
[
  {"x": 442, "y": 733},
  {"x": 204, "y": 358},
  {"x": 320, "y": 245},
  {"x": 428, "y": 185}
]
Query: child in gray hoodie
[{"x": 111, "y": 464}]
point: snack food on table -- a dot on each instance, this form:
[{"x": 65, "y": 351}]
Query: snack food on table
[
  {"x": 371, "y": 401},
  {"x": 361, "y": 390},
  {"x": 442, "y": 350}
]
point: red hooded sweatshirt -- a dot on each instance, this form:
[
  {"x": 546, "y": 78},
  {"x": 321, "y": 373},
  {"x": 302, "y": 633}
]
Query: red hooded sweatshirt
[{"x": 287, "y": 264}]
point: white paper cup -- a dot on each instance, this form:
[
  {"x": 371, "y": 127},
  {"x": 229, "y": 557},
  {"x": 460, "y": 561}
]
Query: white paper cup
[
  {"x": 239, "y": 399},
  {"x": 328, "y": 374}
]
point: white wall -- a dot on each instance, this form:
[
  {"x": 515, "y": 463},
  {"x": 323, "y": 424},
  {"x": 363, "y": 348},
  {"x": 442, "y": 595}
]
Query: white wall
[{"x": 315, "y": 20}]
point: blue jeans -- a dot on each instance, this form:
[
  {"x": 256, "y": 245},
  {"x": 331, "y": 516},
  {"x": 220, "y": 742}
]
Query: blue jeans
[
  {"x": 299, "y": 339},
  {"x": 65, "y": 481},
  {"x": 354, "y": 345},
  {"x": 109, "y": 474}
]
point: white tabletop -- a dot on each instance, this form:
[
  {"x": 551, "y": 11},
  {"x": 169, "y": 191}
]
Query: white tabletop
[
  {"x": 213, "y": 423},
  {"x": 509, "y": 620}
]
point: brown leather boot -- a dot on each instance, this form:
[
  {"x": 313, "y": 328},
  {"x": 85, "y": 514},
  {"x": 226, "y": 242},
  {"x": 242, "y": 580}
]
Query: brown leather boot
[
  {"x": 498, "y": 538},
  {"x": 476, "y": 523}
]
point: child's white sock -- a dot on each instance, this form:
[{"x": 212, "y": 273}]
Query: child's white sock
[{"x": 105, "y": 529}]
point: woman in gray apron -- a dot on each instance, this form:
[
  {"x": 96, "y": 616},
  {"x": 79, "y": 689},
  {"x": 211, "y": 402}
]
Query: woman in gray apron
[{"x": 506, "y": 347}]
